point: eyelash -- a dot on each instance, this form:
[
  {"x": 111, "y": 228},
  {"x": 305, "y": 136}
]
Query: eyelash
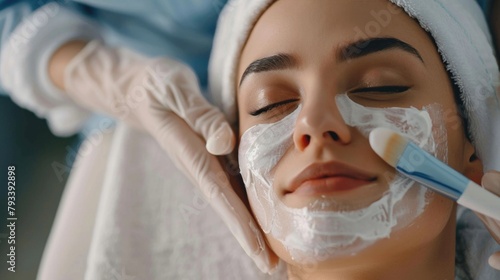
[
  {"x": 385, "y": 89},
  {"x": 382, "y": 89},
  {"x": 271, "y": 107}
]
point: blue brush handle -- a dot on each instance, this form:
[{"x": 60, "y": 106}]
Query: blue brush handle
[{"x": 426, "y": 169}]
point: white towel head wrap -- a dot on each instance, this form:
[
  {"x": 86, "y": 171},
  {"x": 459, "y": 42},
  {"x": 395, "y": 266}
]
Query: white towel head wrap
[{"x": 462, "y": 38}]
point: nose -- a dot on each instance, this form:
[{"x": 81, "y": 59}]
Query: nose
[{"x": 320, "y": 123}]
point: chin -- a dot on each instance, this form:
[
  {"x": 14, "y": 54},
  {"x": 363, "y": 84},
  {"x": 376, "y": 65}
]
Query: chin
[{"x": 435, "y": 224}]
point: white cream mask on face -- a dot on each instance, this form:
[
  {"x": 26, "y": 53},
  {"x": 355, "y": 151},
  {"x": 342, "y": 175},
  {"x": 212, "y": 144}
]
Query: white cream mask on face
[{"x": 316, "y": 232}]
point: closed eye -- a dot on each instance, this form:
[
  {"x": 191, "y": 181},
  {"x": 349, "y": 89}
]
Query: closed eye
[
  {"x": 271, "y": 107},
  {"x": 387, "y": 89}
]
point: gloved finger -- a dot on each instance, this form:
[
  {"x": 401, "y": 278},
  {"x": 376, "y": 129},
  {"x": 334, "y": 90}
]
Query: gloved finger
[
  {"x": 176, "y": 87},
  {"x": 494, "y": 260},
  {"x": 188, "y": 151},
  {"x": 492, "y": 225},
  {"x": 491, "y": 182}
]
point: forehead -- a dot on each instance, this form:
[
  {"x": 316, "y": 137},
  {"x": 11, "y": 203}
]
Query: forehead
[{"x": 314, "y": 30}]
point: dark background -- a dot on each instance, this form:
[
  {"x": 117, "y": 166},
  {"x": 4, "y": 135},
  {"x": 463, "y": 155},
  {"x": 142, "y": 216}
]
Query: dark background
[{"x": 27, "y": 143}]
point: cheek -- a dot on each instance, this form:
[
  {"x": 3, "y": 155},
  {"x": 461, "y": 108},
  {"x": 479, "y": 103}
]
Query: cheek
[
  {"x": 432, "y": 222},
  {"x": 453, "y": 140},
  {"x": 280, "y": 250},
  {"x": 456, "y": 153}
]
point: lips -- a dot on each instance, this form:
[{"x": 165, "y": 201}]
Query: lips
[{"x": 329, "y": 177}]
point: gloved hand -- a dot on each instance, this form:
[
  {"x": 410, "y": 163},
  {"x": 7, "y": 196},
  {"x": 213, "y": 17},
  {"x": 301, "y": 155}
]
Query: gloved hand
[
  {"x": 162, "y": 97},
  {"x": 491, "y": 182}
]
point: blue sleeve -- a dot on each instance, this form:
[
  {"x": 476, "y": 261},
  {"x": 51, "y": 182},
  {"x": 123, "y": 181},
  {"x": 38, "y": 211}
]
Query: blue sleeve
[
  {"x": 13, "y": 12},
  {"x": 179, "y": 29}
]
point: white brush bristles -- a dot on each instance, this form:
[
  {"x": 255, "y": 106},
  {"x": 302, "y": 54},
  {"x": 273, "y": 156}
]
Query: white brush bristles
[{"x": 387, "y": 144}]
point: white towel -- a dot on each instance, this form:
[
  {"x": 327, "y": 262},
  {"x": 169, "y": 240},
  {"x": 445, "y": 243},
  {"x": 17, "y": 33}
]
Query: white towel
[{"x": 462, "y": 38}]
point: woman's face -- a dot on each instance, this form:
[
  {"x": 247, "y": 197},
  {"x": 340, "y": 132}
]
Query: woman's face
[{"x": 299, "y": 59}]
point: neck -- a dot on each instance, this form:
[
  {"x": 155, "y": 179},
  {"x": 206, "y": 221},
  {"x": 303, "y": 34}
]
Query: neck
[{"x": 434, "y": 259}]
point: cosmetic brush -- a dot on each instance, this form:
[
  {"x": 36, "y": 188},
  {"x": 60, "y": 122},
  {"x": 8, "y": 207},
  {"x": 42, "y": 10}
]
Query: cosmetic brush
[{"x": 415, "y": 163}]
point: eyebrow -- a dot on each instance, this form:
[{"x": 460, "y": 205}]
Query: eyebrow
[
  {"x": 368, "y": 46},
  {"x": 354, "y": 50},
  {"x": 271, "y": 63}
]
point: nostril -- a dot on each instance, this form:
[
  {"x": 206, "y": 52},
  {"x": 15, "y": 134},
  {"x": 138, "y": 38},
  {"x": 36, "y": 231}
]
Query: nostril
[
  {"x": 334, "y": 135},
  {"x": 307, "y": 140}
]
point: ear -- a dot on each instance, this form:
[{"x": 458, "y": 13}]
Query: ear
[{"x": 473, "y": 165}]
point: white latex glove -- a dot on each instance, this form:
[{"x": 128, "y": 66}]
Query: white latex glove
[
  {"x": 491, "y": 182},
  {"x": 162, "y": 97}
]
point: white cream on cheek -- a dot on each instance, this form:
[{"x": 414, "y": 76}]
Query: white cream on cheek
[{"x": 312, "y": 233}]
